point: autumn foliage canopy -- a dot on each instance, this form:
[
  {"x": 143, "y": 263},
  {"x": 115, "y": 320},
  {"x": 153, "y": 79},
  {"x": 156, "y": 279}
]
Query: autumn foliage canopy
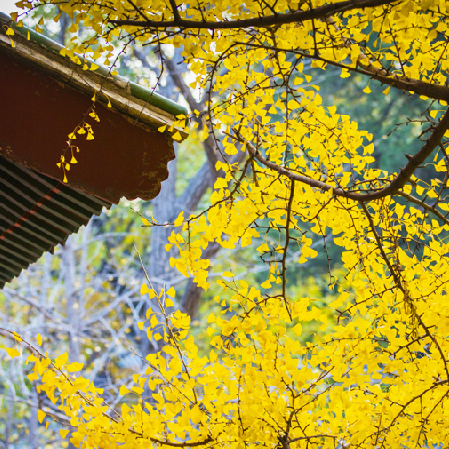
[{"x": 377, "y": 375}]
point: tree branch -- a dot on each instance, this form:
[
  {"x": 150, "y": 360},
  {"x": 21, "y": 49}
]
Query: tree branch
[
  {"x": 395, "y": 185},
  {"x": 309, "y": 437},
  {"x": 175, "y": 10},
  {"x": 192, "y": 194},
  {"x": 434, "y": 91},
  {"x": 424, "y": 205},
  {"x": 209, "y": 144},
  {"x": 192, "y": 293},
  {"x": 320, "y": 12},
  {"x": 182, "y": 86}
]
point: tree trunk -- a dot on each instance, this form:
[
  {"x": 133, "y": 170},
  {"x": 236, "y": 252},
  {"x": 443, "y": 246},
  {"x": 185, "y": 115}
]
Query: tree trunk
[
  {"x": 158, "y": 267},
  {"x": 72, "y": 305},
  {"x": 34, "y": 423}
]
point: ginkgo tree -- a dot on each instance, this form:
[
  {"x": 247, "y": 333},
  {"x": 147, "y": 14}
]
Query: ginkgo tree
[{"x": 380, "y": 375}]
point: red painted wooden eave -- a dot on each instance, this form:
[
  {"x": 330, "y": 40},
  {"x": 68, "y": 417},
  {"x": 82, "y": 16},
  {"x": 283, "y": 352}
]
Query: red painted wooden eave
[{"x": 37, "y": 112}]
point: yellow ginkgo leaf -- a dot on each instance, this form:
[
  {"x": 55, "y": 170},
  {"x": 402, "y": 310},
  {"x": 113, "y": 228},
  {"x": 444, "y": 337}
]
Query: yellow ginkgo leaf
[
  {"x": 123, "y": 390},
  {"x": 12, "y": 352},
  {"x": 297, "y": 329},
  {"x": 137, "y": 390},
  {"x": 367, "y": 90},
  {"x": 179, "y": 220},
  {"x": 61, "y": 360},
  {"x": 144, "y": 289},
  {"x": 63, "y": 432},
  {"x": 434, "y": 113}
]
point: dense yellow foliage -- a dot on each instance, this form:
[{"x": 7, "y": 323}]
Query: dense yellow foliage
[{"x": 380, "y": 376}]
